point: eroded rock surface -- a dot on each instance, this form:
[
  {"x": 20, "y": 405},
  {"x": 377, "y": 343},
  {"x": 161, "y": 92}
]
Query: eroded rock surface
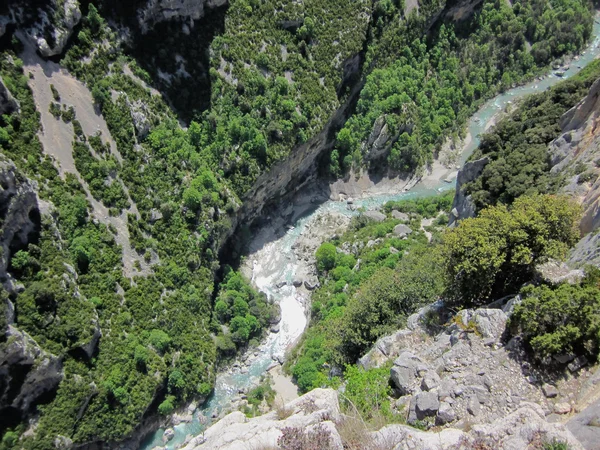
[
  {"x": 156, "y": 11},
  {"x": 26, "y": 372},
  {"x": 49, "y": 26},
  {"x": 463, "y": 206},
  {"x": 318, "y": 413},
  {"x": 19, "y": 215}
]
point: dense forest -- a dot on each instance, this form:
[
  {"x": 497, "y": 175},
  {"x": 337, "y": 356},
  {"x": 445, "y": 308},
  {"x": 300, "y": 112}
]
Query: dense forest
[{"x": 277, "y": 71}]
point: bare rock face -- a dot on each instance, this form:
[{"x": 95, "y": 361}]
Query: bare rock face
[
  {"x": 26, "y": 372},
  {"x": 20, "y": 216},
  {"x": 555, "y": 272},
  {"x": 48, "y": 26},
  {"x": 463, "y": 207},
  {"x": 316, "y": 416},
  {"x": 579, "y": 147},
  {"x": 156, "y": 11},
  {"x": 235, "y": 431},
  {"x": 380, "y": 140},
  {"x": 8, "y": 103}
]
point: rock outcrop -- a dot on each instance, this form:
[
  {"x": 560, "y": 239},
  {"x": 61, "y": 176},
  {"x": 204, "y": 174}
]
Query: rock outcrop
[
  {"x": 27, "y": 373},
  {"x": 463, "y": 207},
  {"x": 380, "y": 141},
  {"x": 8, "y": 103},
  {"x": 464, "y": 373},
  {"x": 316, "y": 417},
  {"x": 49, "y": 26},
  {"x": 155, "y": 11},
  {"x": 19, "y": 216},
  {"x": 576, "y": 150}
]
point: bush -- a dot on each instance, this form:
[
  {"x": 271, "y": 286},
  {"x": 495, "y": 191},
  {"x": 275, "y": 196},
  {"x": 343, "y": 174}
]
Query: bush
[
  {"x": 326, "y": 255},
  {"x": 494, "y": 254},
  {"x": 554, "y": 321},
  {"x": 386, "y": 298},
  {"x": 167, "y": 406}
]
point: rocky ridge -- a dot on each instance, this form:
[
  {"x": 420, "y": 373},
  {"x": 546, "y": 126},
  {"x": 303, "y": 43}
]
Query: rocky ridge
[
  {"x": 463, "y": 381},
  {"x": 316, "y": 418}
]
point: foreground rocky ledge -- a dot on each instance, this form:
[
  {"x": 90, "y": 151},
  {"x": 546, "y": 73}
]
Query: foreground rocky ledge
[{"x": 317, "y": 416}]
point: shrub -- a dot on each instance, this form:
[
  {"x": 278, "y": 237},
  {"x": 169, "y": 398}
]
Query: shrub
[
  {"x": 565, "y": 319},
  {"x": 494, "y": 254},
  {"x": 326, "y": 255},
  {"x": 167, "y": 406},
  {"x": 319, "y": 438}
]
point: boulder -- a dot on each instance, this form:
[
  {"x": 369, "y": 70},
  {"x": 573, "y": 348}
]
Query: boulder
[
  {"x": 473, "y": 406},
  {"x": 445, "y": 414},
  {"x": 426, "y": 404},
  {"x": 376, "y": 216},
  {"x": 549, "y": 391},
  {"x": 386, "y": 348},
  {"x": 577, "y": 363},
  {"x": 405, "y": 374},
  {"x": 168, "y": 434},
  {"x": 402, "y": 230},
  {"x": 311, "y": 286},
  {"x": 562, "y": 408},
  {"x": 400, "y": 216},
  {"x": 489, "y": 323},
  {"x": 431, "y": 380},
  {"x": 556, "y": 272}
]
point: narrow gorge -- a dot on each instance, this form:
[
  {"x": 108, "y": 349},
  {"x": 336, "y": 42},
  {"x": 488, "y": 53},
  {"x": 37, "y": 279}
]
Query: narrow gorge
[{"x": 225, "y": 224}]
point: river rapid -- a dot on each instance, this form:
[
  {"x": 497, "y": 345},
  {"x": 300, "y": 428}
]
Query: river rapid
[{"x": 274, "y": 261}]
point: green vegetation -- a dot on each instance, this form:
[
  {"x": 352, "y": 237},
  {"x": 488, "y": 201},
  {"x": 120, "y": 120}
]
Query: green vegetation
[
  {"x": 156, "y": 344},
  {"x": 358, "y": 303},
  {"x": 244, "y": 312},
  {"x": 261, "y": 394},
  {"x": 368, "y": 393},
  {"x": 560, "y": 320},
  {"x": 518, "y": 145},
  {"x": 270, "y": 80},
  {"x": 493, "y": 254},
  {"x": 425, "y": 92}
]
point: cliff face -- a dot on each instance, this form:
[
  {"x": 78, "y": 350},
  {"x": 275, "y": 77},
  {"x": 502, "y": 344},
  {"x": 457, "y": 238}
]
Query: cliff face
[
  {"x": 463, "y": 207},
  {"x": 575, "y": 153},
  {"x": 27, "y": 373},
  {"x": 49, "y": 26},
  {"x": 20, "y": 216},
  {"x": 155, "y": 11}
]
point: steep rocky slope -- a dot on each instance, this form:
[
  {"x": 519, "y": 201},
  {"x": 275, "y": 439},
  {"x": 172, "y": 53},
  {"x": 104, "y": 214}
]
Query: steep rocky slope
[{"x": 475, "y": 391}]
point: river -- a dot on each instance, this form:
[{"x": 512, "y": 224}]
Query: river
[{"x": 276, "y": 261}]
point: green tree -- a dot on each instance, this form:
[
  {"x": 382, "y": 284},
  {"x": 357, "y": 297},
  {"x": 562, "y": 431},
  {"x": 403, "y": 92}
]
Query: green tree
[
  {"x": 554, "y": 321},
  {"x": 326, "y": 255},
  {"x": 160, "y": 340},
  {"x": 494, "y": 254}
]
